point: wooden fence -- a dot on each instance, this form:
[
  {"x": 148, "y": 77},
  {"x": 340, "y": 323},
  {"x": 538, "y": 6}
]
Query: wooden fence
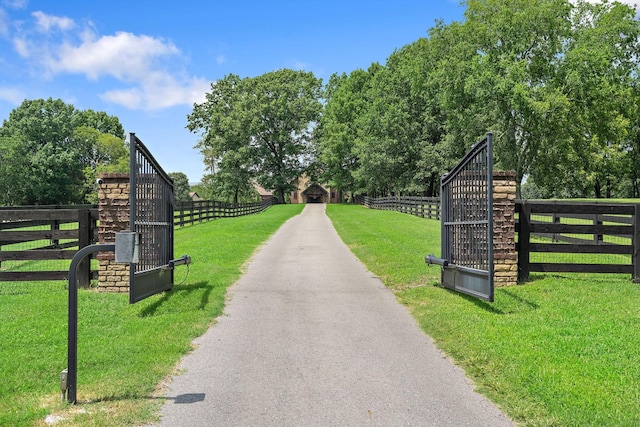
[
  {"x": 204, "y": 210},
  {"x": 556, "y": 236},
  {"x": 39, "y": 237},
  {"x": 46, "y": 234},
  {"x": 578, "y": 228},
  {"x": 424, "y": 207}
]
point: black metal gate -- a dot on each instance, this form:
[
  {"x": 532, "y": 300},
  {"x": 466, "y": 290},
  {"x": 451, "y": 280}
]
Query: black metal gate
[
  {"x": 467, "y": 223},
  {"x": 151, "y": 207}
]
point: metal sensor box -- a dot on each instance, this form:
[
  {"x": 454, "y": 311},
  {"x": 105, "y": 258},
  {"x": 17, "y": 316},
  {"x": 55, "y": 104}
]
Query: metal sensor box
[{"x": 127, "y": 247}]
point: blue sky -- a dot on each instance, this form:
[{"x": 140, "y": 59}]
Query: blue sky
[{"x": 147, "y": 62}]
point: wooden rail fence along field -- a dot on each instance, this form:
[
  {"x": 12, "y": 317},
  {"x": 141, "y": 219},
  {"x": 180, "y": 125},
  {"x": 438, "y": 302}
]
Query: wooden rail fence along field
[
  {"x": 45, "y": 234},
  {"x": 556, "y": 236},
  {"x": 37, "y": 243},
  {"x": 597, "y": 230},
  {"x": 204, "y": 210},
  {"x": 424, "y": 207}
]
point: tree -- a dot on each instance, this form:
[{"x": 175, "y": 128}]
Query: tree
[
  {"x": 287, "y": 107},
  {"x": 14, "y": 167},
  {"x": 61, "y": 147},
  {"x": 337, "y": 130},
  {"x": 598, "y": 74},
  {"x": 260, "y": 127},
  {"x": 103, "y": 123},
  {"x": 180, "y": 187},
  {"x": 225, "y": 125},
  {"x": 499, "y": 77},
  {"x": 553, "y": 80}
]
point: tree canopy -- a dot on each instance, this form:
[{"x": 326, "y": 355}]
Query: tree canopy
[
  {"x": 180, "y": 186},
  {"x": 50, "y": 152},
  {"x": 556, "y": 81},
  {"x": 258, "y": 128}
]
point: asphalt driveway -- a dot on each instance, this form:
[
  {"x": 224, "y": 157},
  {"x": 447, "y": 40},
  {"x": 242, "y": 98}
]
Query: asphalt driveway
[{"x": 310, "y": 337}]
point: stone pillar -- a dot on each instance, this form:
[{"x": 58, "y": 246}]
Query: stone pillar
[
  {"x": 113, "y": 214},
  {"x": 505, "y": 257}
]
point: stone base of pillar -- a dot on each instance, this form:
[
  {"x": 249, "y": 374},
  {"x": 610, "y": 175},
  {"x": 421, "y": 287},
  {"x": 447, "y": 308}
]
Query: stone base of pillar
[
  {"x": 113, "y": 214},
  {"x": 505, "y": 257}
]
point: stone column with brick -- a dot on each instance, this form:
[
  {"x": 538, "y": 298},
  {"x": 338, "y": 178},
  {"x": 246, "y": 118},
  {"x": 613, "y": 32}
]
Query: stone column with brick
[
  {"x": 113, "y": 214},
  {"x": 505, "y": 257}
]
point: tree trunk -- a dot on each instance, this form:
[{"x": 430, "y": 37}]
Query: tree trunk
[{"x": 598, "y": 189}]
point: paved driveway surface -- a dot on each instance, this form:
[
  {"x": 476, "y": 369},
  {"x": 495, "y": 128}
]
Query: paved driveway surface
[{"x": 311, "y": 338}]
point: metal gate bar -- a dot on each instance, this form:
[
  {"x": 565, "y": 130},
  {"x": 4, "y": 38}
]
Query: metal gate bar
[
  {"x": 151, "y": 204},
  {"x": 467, "y": 223}
]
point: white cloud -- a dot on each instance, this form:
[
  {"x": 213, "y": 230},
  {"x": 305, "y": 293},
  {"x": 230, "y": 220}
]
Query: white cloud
[
  {"x": 221, "y": 59},
  {"x": 4, "y": 23},
  {"x": 21, "y": 46},
  {"x": 299, "y": 65},
  {"x": 12, "y": 95},
  {"x": 159, "y": 90},
  {"x": 147, "y": 71},
  {"x": 15, "y": 4},
  {"x": 47, "y": 22},
  {"x": 125, "y": 56}
]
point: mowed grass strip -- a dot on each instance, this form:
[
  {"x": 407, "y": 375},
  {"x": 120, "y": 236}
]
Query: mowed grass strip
[
  {"x": 124, "y": 351},
  {"x": 561, "y": 350}
]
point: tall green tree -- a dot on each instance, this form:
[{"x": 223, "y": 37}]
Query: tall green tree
[
  {"x": 286, "y": 107},
  {"x": 499, "y": 77},
  {"x": 14, "y": 170},
  {"x": 224, "y": 122},
  {"x": 337, "y": 130},
  {"x": 180, "y": 187},
  {"x": 58, "y": 150},
  {"x": 597, "y": 74},
  {"x": 261, "y": 125}
]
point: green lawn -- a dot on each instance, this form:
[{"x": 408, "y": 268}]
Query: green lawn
[
  {"x": 124, "y": 351},
  {"x": 562, "y": 350}
]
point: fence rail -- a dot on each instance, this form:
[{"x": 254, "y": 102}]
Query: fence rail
[
  {"x": 424, "y": 207},
  {"x": 204, "y": 210},
  {"x": 46, "y": 234},
  {"x": 578, "y": 228}
]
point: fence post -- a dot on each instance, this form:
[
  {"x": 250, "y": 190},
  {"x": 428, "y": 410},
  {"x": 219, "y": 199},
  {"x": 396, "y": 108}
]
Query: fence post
[
  {"x": 597, "y": 238},
  {"x": 524, "y": 239},
  {"x": 635, "y": 258},
  {"x": 85, "y": 231},
  {"x": 55, "y": 226}
]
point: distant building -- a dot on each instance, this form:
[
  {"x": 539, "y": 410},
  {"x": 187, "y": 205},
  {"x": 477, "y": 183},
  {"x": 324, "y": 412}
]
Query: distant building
[
  {"x": 195, "y": 197},
  {"x": 262, "y": 193},
  {"x": 311, "y": 192}
]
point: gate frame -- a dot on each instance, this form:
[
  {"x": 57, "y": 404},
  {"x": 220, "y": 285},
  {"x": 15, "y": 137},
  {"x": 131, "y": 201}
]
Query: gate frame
[
  {"x": 468, "y": 279},
  {"x": 157, "y": 277}
]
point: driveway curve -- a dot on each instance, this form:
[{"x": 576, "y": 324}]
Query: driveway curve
[{"x": 310, "y": 337}]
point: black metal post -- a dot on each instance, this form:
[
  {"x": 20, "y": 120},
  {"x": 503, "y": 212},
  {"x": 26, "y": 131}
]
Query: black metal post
[{"x": 72, "y": 336}]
